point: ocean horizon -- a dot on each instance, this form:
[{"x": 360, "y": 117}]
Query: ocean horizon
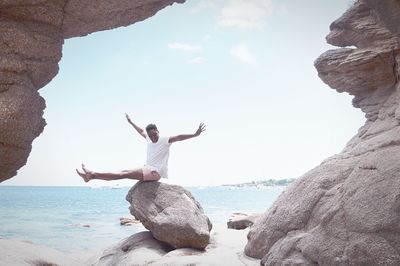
[{"x": 79, "y": 219}]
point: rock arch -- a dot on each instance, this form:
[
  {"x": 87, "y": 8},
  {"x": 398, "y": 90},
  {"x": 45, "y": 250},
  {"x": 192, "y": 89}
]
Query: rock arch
[{"x": 32, "y": 33}]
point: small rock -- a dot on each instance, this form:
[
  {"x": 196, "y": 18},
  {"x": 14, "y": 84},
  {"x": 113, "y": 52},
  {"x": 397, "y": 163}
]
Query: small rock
[
  {"x": 81, "y": 225},
  {"x": 241, "y": 221},
  {"x": 128, "y": 221}
]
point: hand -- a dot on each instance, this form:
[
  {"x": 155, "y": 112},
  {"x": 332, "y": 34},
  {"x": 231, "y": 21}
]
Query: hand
[
  {"x": 201, "y": 128},
  {"x": 128, "y": 118}
]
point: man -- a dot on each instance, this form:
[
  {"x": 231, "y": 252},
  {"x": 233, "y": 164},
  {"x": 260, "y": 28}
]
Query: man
[{"x": 157, "y": 156}]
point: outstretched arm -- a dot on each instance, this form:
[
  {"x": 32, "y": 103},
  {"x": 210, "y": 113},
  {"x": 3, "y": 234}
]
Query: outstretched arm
[
  {"x": 138, "y": 129},
  {"x": 201, "y": 128}
]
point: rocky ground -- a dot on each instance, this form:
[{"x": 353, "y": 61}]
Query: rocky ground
[{"x": 225, "y": 248}]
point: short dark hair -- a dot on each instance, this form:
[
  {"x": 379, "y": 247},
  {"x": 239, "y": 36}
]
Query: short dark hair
[{"x": 150, "y": 127}]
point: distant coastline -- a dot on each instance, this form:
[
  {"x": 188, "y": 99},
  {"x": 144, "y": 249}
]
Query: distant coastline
[{"x": 263, "y": 183}]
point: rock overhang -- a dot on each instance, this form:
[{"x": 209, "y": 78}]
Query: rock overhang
[{"x": 32, "y": 33}]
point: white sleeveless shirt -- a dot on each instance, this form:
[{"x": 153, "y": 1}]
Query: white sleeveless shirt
[{"x": 158, "y": 154}]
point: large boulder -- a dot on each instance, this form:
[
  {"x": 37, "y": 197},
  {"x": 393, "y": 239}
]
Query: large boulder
[
  {"x": 346, "y": 211},
  {"x": 171, "y": 213}
]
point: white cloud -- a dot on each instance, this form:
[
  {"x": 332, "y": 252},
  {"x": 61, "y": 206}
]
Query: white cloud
[
  {"x": 197, "y": 60},
  {"x": 245, "y": 14},
  {"x": 243, "y": 54},
  {"x": 184, "y": 47}
]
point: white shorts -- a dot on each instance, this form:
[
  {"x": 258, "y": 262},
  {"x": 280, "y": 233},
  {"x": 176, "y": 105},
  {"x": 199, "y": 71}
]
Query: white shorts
[{"x": 150, "y": 173}]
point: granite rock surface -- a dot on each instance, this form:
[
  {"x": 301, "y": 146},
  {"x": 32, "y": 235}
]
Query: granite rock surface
[
  {"x": 346, "y": 211},
  {"x": 171, "y": 213}
]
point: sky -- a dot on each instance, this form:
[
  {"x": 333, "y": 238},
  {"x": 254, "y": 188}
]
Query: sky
[{"x": 244, "y": 68}]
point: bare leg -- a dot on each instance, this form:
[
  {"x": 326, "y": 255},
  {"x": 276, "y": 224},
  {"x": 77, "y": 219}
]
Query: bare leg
[{"x": 87, "y": 174}]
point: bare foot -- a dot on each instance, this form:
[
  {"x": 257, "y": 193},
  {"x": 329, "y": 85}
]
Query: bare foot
[{"x": 86, "y": 174}]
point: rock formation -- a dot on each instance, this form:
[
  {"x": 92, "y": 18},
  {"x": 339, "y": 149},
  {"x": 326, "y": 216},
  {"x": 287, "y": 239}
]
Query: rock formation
[
  {"x": 171, "y": 213},
  {"x": 346, "y": 211},
  {"x": 32, "y": 33}
]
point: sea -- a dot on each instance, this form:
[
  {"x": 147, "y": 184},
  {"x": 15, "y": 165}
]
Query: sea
[{"x": 84, "y": 219}]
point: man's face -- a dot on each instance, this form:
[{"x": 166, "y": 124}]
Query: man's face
[{"x": 153, "y": 135}]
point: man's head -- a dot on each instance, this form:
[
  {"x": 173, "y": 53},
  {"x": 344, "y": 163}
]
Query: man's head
[{"x": 152, "y": 132}]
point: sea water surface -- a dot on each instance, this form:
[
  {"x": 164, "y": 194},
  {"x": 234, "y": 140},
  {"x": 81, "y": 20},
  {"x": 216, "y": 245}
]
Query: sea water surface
[{"x": 84, "y": 219}]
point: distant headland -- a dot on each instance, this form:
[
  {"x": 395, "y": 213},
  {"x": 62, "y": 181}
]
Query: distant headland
[{"x": 263, "y": 183}]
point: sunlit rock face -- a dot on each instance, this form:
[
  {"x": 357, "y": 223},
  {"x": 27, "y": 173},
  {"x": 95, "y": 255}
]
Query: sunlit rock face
[
  {"x": 32, "y": 33},
  {"x": 346, "y": 211}
]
